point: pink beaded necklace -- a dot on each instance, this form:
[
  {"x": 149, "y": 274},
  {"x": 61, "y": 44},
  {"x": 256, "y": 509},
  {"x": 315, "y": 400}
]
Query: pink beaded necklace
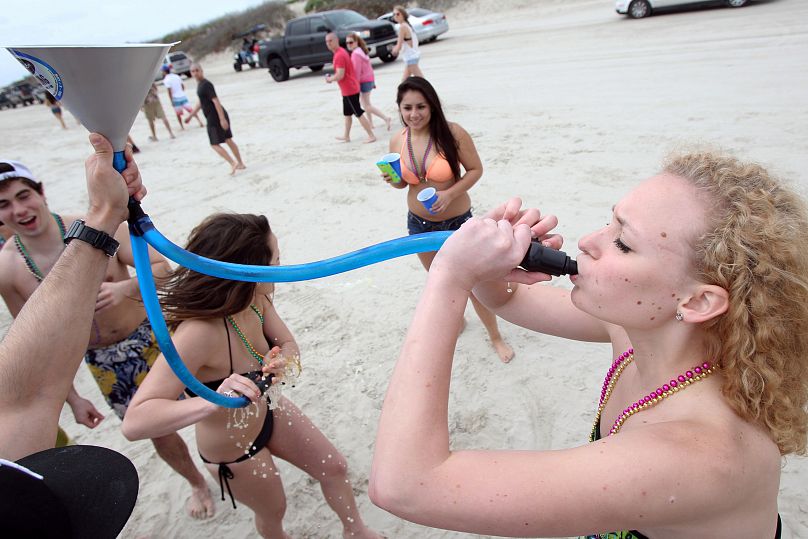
[{"x": 675, "y": 385}]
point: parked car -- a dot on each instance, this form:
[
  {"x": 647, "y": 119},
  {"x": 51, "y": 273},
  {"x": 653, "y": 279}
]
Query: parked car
[
  {"x": 179, "y": 63},
  {"x": 303, "y": 41},
  {"x": 9, "y": 100},
  {"x": 637, "y": 9},
  {"x": 428, "y": 25}
]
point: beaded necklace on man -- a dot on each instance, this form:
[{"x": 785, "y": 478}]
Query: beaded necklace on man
[
  {"x": 421, "y": 173},
  {"x": 29, "y": 261},
  {"x": 699, "y": 372},
  {"x": 37, "y": 273}
]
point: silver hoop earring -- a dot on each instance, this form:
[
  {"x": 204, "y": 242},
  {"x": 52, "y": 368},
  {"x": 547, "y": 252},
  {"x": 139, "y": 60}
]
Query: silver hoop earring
[{"x": 679, "y": 316}]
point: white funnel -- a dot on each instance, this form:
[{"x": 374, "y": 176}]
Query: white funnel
[{"x": 104, "y": 87}]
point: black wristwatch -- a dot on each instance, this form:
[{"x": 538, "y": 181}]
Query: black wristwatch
[{"x": 98, "y": 239}]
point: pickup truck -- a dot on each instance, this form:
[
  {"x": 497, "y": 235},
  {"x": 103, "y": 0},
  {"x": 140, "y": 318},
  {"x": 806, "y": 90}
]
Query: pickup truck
[{"x": 303, "y": 42}]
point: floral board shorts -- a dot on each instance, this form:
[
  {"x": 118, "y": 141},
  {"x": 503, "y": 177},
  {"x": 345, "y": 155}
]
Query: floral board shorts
[{"x": 120, "y": 368}]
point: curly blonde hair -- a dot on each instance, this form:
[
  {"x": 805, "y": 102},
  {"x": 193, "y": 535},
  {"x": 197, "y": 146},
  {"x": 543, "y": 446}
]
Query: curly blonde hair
[{"x": 756, "y": 248}]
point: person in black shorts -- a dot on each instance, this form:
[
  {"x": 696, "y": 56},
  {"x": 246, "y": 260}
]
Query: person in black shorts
[{"x": 218, "y": 121}]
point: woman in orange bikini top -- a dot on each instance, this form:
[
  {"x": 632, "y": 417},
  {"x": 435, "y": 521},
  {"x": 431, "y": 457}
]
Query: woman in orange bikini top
[{"x": 433, "y": 154}]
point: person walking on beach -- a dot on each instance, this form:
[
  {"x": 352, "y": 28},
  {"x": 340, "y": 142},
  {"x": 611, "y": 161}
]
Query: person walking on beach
[
  {"x": 153, "y": 110},
  {"x": 121, "y": 348},
  {"x": 364, "y": 72},
  {"x": 177, "y": 95},
  {"x": 55, "y": 107},
  {"x": 407, "y": 44},
  {"x": 345, "y": 76},
  {"x": 230, "y": 335},
  {"x": 699, "y": 284},
  {"x": 218, "y": 120},
  {"x": 432, "y": 153}
]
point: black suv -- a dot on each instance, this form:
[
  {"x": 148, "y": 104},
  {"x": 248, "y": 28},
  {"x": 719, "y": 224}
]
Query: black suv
[{"x": 303, "y": 42}]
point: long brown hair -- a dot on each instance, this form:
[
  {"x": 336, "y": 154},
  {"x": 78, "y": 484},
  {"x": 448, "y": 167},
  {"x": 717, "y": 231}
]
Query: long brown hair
[
  {"x": 439, "y": 130},
  {"x": 229, "y": 237}
]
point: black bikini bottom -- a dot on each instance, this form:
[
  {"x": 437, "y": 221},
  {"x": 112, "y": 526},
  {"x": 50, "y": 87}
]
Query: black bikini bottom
[{"x": 225, "y": 473}]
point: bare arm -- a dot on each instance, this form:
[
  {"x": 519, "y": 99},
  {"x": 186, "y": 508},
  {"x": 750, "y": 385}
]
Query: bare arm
[
  {"x": 338, "y": 75},
  {"x": 113, "y": 293},
  {"x": 194, "y": 113},
  {"x": 278, "y": 334},
  {"x": 416, "y": 475},
  {"x": 155, "y": 410},
  {"x": 56, "y": 319},
  {"x": 402, "y": 28},
  {"x": 469, "y": 158},
  {"x": 220, "y": 112},
  {"x": 13, "y": 298}
]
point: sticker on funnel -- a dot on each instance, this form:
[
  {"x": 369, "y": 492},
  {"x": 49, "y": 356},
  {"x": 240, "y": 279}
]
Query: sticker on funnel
[{"x": 44, "y": 73}]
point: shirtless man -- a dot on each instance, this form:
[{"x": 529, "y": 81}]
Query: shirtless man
[{"x": 121, "y": 347}]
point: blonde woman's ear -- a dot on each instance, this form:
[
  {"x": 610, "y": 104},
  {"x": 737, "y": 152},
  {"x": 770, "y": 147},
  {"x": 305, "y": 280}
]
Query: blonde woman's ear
[{"x": 708, "y": 302}]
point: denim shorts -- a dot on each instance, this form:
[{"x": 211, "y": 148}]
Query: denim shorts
[
  {"x": 365, "y": 87},
  {"x": 417, "y": 225}
]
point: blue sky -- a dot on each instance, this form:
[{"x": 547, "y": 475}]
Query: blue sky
[{"x": 99, "y": 22}]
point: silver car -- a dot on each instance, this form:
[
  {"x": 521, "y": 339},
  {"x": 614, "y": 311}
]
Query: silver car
[
  {"x": 637, "y": 9},
  {"x": 428, "y": 25}
]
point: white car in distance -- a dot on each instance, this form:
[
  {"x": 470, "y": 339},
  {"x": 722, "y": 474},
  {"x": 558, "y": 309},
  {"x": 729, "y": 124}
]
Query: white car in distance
[{"x": 637, "y": 9}]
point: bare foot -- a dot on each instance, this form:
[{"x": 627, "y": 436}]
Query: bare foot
[
  {"x": 241, "y": 166},
  {"x": 504, "y": 350},
  {"x": 370, "y": 140},
  {"x": 362, "y": 532},
  {"x": 200, "y": 504},
  {"x": 343, "y": 139},
  {"x": 172, "y": 135},
  {"x": 389, "y": 122},
  {"x": 233, "y": 169}
]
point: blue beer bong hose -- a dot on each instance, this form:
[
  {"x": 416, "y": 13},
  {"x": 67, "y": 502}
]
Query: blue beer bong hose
[{"x": 143, "y": 234}]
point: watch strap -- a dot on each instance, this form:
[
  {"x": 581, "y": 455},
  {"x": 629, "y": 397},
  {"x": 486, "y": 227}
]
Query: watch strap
[{"x": 97, "y": 238}]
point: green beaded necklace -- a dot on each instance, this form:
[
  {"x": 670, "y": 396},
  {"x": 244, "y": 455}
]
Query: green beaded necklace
[
  {"x": 29, "y": 261},
  {"x": 247, "y": 344}
]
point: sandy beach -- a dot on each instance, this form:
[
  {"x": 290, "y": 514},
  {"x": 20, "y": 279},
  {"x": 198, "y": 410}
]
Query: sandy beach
[{"x": 569, "y": 105}]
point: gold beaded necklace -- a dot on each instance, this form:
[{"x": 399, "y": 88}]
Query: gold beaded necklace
[{"x": 675, "y": 385}]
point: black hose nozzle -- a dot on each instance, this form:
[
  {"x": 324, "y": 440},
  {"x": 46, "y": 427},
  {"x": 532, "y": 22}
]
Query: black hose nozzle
[
  {"x": 262, "y": 381},
  {"x": 547, "y": 260}
]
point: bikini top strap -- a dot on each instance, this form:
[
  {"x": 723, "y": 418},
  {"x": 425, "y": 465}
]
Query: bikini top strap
[{"x": 229, "y": 348}]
